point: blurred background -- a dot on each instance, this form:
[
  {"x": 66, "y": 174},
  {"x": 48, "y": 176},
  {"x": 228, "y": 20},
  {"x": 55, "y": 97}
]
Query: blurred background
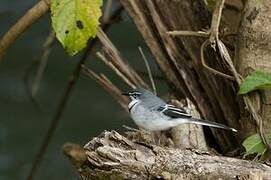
[{"x": 89, "y": 111}]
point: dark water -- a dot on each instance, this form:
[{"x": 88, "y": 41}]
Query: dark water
[{"x": 89, "y": 111}]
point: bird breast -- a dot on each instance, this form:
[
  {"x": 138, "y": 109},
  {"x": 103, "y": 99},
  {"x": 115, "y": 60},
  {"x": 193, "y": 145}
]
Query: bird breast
[{"x": 148, "y": 119}]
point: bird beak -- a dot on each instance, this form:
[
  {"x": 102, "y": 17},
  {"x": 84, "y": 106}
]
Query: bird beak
[{"x": 125, "y": 94}]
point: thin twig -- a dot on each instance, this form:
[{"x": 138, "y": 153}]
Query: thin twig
[
  {"x": 213, "y": 32},
  {"x": 202, "y": 48},
  {"x": 130, "y": 128},
  {"x": 155, "y": 76},
  {"x": 64, "y": 99},
  {"x": 225, "y": 55},
  {"x": 41, "y": 59},
  {"x": 216, "y": 18},
  {"x": 59, "y": 111},
  {"x": 107, "y": 85},
  {"x": 149, "y": 70},
  {"x": 214, "y": 39},
  {"x": 116, "y": 70},
  {"x": 118, "y": 62},
  {"x": 106, "y": 14},
  {"x": 46, "y": 49},
  {"x": 189, "y": 33},
  {"x": 31, "y": 16}
]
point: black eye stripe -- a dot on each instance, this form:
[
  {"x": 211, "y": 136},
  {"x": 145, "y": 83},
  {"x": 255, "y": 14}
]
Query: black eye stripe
[{"x": 135, "y": 94}]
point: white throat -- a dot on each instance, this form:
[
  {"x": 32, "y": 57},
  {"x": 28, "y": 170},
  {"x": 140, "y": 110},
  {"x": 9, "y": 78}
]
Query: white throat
[{"x": 133, "y": 103}]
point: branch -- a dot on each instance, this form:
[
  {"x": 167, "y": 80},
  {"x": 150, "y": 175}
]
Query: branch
[
  {"x": 64, "y": 99},
  {"x": 107, "y": 85},
  {"x": 43, "y": 59},
  {"x": 107, "y": 10},
  {"x": 178, "y": 59},
  {"x": 22, "y": 24},
  {"x": 188, "y": 135},
  {"x": 189, "y": 33},
  {"x": 112, "y": 156},
  {"x": 252, "y": 53},
  {"x": 149, "y": 70},
  {"x": 213, "y": 41},
  {"x": 212, "y": 33},
  {"x": 115, "y": 69},
  {"x": 116, "y": 59},
  {"x": 214, "y": 30},
  {"x": 156, "y": 76}
]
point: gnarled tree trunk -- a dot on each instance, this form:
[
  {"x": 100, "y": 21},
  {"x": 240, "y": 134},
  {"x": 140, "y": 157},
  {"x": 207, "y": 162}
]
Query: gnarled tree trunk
[
  {"x": 112, "y": 156},
  {"x": 253, "y": 53},
  {"x": 179, "y": 58}
]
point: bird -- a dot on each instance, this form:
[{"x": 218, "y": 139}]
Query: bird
[{"x": 151, "y": 113}]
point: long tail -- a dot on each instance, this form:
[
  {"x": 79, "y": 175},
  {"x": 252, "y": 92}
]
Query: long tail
[{"x": 210, "y": 123}]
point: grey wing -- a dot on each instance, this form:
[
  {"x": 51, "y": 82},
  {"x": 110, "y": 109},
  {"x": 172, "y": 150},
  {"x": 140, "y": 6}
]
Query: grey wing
[{"x": 173, "y": 112}]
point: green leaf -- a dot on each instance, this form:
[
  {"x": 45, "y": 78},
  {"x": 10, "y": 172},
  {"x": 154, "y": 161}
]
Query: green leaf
[
  {"x": 75, "y": 21},
  {"x": 254, "y": 145},
  {"x": 257, "y": 80}
]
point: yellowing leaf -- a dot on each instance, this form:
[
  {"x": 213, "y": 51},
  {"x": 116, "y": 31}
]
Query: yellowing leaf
[
  {"x": 257, "y": 80},
  {"x": 75, "y": 21}
]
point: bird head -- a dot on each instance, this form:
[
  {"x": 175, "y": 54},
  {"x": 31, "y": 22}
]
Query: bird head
[
  {"x": 133, "y": 94},
  {"x": 139, "y": 94}
]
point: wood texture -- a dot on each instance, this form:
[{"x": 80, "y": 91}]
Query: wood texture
[
  {"x": 179, "y": 60},
  {"x": 253, "y": 53},
  {"x": 112, "y": 156}
]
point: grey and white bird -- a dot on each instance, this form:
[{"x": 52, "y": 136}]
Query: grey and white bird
[{"x": 151, "y": 113}]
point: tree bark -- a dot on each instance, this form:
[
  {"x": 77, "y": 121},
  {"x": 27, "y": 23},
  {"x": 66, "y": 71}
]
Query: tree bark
[
  {"x": 179, "y": 58},
  {"x": 112, "y": 156},
  {"x": 253, "y": 53}
]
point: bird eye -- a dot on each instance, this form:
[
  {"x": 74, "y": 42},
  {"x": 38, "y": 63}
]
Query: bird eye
[{"x": 135, "y": 94}]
